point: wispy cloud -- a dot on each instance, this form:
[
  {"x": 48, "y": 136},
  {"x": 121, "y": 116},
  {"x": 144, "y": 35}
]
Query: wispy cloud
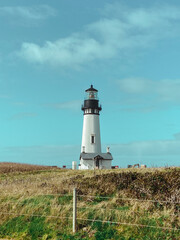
[
  {"x": 150, "y": 148},
  {"x": 34, "y": 13},
  {"x": 4, "y": 96},
  {"x": 152, "y": 153},
  {"x": 177, "y": 136},
  {"x": 153, "y": 93},
  {"x": 113, "y": 35},
  {"x": 71, "y": 105},
  {"x": 19, "y": 103},
  {"x": 43, "y": 154},
  {"x": 23, "y": 115}
]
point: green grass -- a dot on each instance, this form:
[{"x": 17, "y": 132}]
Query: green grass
[
  {"x": 36, "y": 193},
  {"x": 123, "y": 208},
  {"x": 29, "y": 228},
  {"x": 65, "y": 199}
]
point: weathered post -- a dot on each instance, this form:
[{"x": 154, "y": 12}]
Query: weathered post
[{"x": 74, "y": 209}]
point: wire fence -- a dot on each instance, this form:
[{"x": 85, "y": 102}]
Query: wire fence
[
  {"x": 104, "y": 197},
  {"x": 115, "y": 209},
  {"x": 35, "y": 215},
  {"x": 132, "y": 199},
  {"x": 80, "y": 203},
  {"x": 129, "y": 224}
]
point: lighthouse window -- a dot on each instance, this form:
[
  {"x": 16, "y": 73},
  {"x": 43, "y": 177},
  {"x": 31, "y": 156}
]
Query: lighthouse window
[
  {"x": 91, "y": 95},
  {"x": 92, "y": 139}
]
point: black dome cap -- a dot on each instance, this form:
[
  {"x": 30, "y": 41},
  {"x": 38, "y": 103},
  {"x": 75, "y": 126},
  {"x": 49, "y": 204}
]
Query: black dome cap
[{"x": 91, "y": 89}]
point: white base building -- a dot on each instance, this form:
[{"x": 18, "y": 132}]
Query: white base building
[{"x": 94, "y": 161}]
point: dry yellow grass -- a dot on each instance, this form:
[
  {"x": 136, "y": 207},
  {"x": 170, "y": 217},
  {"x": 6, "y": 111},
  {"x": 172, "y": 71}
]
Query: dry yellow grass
[
  {"x": 7, "y": 167},
  {"x": 22, "y": 186}
]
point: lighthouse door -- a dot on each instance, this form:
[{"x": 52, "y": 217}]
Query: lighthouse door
[{"x": 97, "y": 163}]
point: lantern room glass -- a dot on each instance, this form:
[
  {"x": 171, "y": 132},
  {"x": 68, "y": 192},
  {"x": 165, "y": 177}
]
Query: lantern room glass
[{"x": 91, "y": 95}]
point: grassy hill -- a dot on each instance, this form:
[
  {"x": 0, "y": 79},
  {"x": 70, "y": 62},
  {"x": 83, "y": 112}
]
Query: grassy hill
[{"x": 36, "y": 203}]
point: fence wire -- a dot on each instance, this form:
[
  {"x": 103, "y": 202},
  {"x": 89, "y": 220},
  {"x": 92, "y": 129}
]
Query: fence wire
[
  {"x": 103, "y": 197},
  {"x": 92, "y": 220},
  {"x": 92, "y": 208},
  {"x": 33, "y": 215},
  {"x": 120, "y": 210},
  {"x": 130, "y": 224},
  {"x": 130, "y": 199}
]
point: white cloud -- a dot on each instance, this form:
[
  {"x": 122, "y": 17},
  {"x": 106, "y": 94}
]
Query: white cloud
[
  {"x": 34, "y": 13},
  {"x": 64, "y": 52},
  {"x": 137, "y": 28}
]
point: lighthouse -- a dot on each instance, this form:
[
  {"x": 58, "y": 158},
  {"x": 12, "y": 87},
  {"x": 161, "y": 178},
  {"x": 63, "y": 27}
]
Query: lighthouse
[{"x": 91, "y": 156}]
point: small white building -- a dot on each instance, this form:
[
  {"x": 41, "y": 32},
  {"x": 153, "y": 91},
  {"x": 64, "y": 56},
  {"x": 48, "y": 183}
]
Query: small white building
[{"x": 91, "y": 156}]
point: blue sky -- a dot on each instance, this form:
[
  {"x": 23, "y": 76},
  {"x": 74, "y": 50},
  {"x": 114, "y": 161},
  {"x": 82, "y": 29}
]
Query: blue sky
[{"x": 51, "y": 51}]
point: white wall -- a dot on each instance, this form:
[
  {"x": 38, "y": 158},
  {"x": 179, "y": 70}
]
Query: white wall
[
  {"x": 106, "y": 164},
  {"x": 89, "y": 164},
  {"x": 91, "y": 126}
]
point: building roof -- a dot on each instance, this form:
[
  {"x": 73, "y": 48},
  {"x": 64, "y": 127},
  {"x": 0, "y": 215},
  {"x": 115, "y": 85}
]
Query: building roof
[
  {"x": 92, "y": 156},
  {"x": 91, "y": 89}
]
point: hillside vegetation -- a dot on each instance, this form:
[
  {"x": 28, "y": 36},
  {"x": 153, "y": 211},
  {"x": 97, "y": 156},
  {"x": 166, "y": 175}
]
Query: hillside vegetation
[{"x": 36, "y": 203}]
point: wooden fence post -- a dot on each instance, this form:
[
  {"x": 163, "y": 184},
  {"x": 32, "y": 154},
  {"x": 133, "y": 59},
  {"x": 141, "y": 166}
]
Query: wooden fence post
[{"x": 74, "y": 209}]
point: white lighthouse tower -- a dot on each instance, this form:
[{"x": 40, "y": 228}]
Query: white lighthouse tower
[{"x": 91, "y": 156}]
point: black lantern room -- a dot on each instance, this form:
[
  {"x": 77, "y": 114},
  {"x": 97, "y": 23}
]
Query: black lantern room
[{"x": 91, "y": 102}]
